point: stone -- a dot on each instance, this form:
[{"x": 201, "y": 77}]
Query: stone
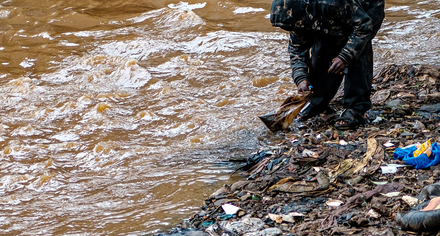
[
  {"x": 380, "y": 97},
  {"x": 196, "y": 233},
  {"x": 191, "y": 232},
  {"x": 394, "y": 103},
  {"x": 220, "y": 193},
  {"x": 238, "y": 185},
  {"x": 223, "y": 201},
  {"x": 245, "y": 225},
  {"x": 419, "y": 126},
  {"x": 246, "y": 197},
  {"x": 266, "y": 232}
]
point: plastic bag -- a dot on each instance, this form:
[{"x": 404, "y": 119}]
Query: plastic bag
[
  {"x": 421, "y": 161},
  {"x": 282, "y": 117}
]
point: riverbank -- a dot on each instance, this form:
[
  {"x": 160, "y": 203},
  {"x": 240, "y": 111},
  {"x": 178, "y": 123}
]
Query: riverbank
[{"x": 320, "y": 181}]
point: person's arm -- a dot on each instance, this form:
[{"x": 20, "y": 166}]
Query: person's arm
[
  {"x": 376, "y": 10},
  {"x": 362, "y": 32},
  {"x": 299, "y": 49}
]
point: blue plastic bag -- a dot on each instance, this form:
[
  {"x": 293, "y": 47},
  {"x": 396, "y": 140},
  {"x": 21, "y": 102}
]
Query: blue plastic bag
[{"x": 421, "y": 161}]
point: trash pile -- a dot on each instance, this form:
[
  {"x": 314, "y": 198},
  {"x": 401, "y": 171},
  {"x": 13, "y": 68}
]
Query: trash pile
[{"x": 381, "y": 179}]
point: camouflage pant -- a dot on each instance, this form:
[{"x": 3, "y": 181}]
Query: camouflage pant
[{"x": 358, "y": 76}]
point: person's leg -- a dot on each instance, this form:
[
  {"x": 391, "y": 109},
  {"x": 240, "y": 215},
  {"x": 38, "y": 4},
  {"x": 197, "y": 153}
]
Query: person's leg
[
  {"x": 325, "y": 85},
  {"x": 357, "y": 90},
  {"x": 358, "y": 81}
]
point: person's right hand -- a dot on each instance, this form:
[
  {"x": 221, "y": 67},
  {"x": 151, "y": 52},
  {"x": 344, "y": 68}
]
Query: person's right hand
[{"x": 304, "y": 86}]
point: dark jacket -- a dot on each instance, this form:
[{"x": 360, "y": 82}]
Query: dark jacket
[
  {"x": 376, "y": 10},
  {"x": 341, "y": 18}
]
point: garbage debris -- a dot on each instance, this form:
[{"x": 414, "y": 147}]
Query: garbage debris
[
  {"x": 427, "y": 157},
  {"x": 281, "y": 218},
  {"x": 334, "y": 203},
  {"x": 372, "y": 214},
  {"x": 320, "y": 181},
  {"x": 424, "y": 148},
  {"x": 388, "y": 169},
  {"x": 230, "y": 209},
  {"x": 281, "y": 118},
  {"x": 388, "y": 144},
  {"x": 411, "y": 201}
]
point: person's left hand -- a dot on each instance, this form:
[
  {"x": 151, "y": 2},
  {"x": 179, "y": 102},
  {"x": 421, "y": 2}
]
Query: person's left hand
[
  {"x": 337, "y": 67},
  {"x": 304, "y": 86}
]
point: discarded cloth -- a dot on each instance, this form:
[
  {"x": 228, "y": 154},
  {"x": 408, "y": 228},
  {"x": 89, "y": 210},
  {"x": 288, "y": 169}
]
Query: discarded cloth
[
  {"x": 425, "y": 216},
  {"x": 421, "y": 220},
  {"x": 421, "y": 161}
]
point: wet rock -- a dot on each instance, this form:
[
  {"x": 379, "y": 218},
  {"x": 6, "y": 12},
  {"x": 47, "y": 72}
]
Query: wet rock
[
  {"x": 246, "y": 197},
  {"x": 394, "y": 104},
  {"x": 245, "y": 225},
  {"x": 195, "y": 233},
  {"x": 238, "y": 185},
  {"x": 429, "y": 109},
  {"x": 419, "y": 126},
  {"x": 380, "y": 97},
  {"x": 355, "y": 181},
  {"x": 407, "y": 134},
  {"x": 266, "y": 232},
  {"x": 223, "y": 201},
  {"x": 186, "y": 224},
  {"x": 220, "y": 193},
  {"x": 190, "y": 232}
]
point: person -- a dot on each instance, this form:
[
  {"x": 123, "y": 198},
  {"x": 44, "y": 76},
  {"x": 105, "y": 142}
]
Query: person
[{"x": 330, "y": 39}]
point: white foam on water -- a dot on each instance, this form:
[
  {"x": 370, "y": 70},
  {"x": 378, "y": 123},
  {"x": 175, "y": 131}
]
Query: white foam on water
[
  {"x": 245, "y": 10},
  {"x": 27, "y": 63},
  {"x": 66, "y": 137},
  {"x": 186, "y": 6},
  {"x": 101, "y": 73}
]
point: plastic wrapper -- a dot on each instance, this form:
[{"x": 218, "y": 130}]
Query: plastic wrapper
[
  {"x": 424, "y": 148},
  {"x": 281, "y": 118}
]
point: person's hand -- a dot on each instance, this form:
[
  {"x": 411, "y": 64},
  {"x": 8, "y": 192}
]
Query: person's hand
[
  {"x": 337, "y": 67},
  {"x": 303, "y": 86}
]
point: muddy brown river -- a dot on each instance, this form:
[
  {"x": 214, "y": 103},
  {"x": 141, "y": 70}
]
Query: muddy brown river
[{"x": 118, "y": 117}]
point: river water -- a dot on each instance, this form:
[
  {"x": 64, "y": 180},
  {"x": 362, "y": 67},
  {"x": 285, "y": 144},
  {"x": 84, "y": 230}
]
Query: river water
[{"x": 117, "y": 117}]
